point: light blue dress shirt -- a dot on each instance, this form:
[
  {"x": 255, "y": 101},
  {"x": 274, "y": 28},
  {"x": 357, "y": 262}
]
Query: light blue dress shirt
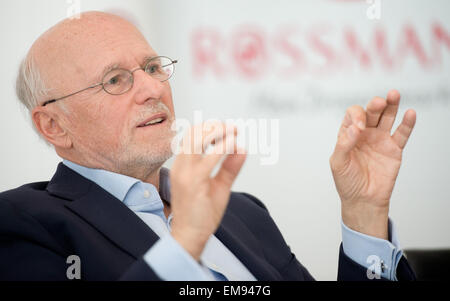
[
  {"x": 380, "y": 255},
  {"x": 172, "y": 262}
]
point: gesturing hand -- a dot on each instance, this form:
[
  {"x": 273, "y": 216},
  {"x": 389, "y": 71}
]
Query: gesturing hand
[
  {"x": 366, "y": 162},
  {"x": 199, "y": 200}
]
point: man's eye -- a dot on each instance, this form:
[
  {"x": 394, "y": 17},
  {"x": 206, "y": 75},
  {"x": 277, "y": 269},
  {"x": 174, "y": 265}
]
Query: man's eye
[
  {"x": 114, "y": 80},
  {"x": 153, "y": 69}
]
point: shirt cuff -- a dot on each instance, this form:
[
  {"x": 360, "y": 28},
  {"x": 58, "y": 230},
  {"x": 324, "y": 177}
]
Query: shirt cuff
[
  {"x": 379, "y": 256},
  {"x": 171, "y": 262}
]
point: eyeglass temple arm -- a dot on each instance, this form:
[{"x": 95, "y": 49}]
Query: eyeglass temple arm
[
  {"x": 55, "y": 100},
  {"x": 173, "y": 62}
]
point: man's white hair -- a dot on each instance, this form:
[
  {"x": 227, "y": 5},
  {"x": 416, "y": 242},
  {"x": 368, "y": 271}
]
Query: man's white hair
[{"x": 30, "y": 86}]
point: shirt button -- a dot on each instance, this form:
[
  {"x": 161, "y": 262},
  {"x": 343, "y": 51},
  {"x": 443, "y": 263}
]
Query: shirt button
[{"x": 146, "y": 194}]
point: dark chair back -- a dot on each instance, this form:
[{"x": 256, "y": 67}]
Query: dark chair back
[{"x": 429, "y": 264}]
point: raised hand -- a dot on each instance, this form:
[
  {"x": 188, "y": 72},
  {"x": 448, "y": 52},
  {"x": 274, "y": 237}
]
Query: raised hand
[
  {"x": 198, "y": 199},
  {"x": 366, "y": 162}
]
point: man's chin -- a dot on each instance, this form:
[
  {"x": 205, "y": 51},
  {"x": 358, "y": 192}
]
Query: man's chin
[
  {"x": 140, "y": 166},
  {"x": 150, "y": 159}
]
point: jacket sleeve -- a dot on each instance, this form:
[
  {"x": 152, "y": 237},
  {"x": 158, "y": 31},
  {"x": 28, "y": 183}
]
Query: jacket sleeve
[
  {"x": 351, "y": 271},
  {"x": 348, "y": 270}
]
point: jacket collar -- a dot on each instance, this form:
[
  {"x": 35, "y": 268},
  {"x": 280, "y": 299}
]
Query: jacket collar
[
  {"x": 124, "y": 228},
  {"x": 103, "y": 211}
]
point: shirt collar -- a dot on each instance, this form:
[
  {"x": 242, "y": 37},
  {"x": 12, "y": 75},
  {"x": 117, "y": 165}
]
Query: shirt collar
[{"x": 117, "y": 184}]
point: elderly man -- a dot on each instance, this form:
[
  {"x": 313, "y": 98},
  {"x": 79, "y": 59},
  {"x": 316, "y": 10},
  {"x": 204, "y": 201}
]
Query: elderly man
[{"x": 100, "y": 95}]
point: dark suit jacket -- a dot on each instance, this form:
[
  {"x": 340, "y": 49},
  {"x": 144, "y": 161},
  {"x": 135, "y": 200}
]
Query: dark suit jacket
[{"x": 41, "y": 224}]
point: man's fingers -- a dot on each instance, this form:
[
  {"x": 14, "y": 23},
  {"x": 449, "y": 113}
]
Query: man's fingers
[
  {"x": 374, "y": 110},
  {"x": 215, "y": 132},
  {"x": 353, "y": 124},
  {"x": 404, "y": 130},
  {"x": 214, "y": 154},
  {"x": 355, "y": 116},
  {"x": 200, "y": 137},
  {"x": 388, "y": 117},
  {"x": 346, "y": 142},
  {"x": 230, "y": 168}
]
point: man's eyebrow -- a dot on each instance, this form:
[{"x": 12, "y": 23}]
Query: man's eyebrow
[
  {"x": 107, "y": 69},
  {"x": 117, "y": 65},
  {"x": 146, "y": 59}
]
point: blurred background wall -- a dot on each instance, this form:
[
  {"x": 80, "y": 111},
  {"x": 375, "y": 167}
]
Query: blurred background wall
[{"x": 299, "y": 62}]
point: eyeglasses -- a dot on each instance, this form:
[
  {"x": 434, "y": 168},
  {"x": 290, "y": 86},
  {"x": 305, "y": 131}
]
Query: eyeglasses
[{"x": 119, "y": 81}]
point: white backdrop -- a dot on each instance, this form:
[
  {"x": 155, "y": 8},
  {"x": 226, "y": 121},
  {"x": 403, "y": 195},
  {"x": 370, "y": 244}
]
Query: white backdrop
[{"x": 301, "y": 62}]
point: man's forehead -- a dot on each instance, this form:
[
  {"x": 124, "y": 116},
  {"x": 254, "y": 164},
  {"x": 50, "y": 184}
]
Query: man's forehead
[
  {"x": 90, "y": 44},
  {"x": 117, "y": 52},
  {"x": 90, "y": 25}
]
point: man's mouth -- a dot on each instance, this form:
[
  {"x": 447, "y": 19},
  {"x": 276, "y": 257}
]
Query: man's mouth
[{"x": 154, "y": 120}]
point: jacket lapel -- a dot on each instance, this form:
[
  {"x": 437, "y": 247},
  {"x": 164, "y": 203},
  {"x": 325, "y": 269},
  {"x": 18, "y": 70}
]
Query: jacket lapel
[
  {"x": 102, "y": 211},
  {"x": 235, "y": 235}
]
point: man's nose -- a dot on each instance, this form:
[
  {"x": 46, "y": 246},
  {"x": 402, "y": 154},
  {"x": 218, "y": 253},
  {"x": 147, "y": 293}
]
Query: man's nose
[{"x": 146, "y": 87}]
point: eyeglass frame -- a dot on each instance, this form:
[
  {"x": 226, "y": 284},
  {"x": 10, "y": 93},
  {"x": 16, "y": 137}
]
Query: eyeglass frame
[{"x": 173, "y": 62}]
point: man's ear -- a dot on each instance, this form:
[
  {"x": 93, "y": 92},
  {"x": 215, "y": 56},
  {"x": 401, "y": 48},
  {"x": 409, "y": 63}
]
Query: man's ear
[{"x": 48, "y": 125}]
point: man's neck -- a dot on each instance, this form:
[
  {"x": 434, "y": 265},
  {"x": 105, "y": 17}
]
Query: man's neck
[{"x": 151, "y": 175}]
